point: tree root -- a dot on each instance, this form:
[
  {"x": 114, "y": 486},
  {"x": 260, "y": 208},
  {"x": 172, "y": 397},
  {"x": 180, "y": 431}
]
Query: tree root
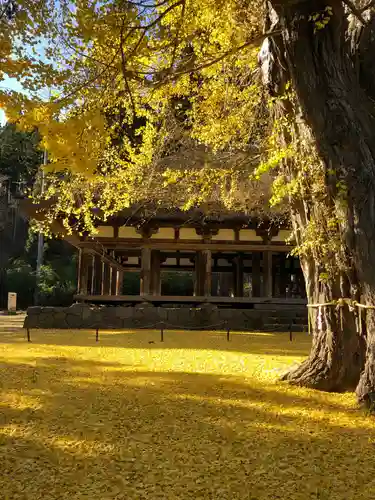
[{"x": 316, "y": 373}]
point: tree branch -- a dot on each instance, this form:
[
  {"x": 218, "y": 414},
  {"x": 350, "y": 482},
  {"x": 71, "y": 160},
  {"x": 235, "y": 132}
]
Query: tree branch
[
  {"x": 207, "y": 64},
  {"x": 368, "y": 6},
  {"x": 124, "y": 70},
  {"x": 356, "y": 12},
  {"x": 177, "y": 37},
  {"x": 5, "y": 9}
]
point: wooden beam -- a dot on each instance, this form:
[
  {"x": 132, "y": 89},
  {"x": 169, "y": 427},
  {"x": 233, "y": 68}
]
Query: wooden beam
[
  {"x": 93, "y": 247},
  {"x": 230, "y": 246}
]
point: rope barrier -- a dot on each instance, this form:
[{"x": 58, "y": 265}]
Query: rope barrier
[
  {"x": 339, "y": 304},
  {"x": 143, "y": 327},
  {"x": 194, "y": 327},
  {"x": 164, "y": 326}
]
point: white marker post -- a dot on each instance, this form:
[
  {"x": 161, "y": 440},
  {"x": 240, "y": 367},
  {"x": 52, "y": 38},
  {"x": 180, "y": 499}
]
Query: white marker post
[{"x": 12, "y": 302}]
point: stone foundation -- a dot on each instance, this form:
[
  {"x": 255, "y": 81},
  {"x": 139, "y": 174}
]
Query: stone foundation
[{"x": 83, "y": 316}]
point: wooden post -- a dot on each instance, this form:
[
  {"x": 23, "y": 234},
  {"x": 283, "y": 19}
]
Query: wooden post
[
  {"x": 145, "y": 285},
  {"x": 206, "y": 275},
  {"x": 267, "y": 274},
  {"x": 255, "y": 274}
]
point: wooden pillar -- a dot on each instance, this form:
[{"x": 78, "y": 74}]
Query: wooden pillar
[
  {"x": 79, "y": 270},
  {"x": 119, "y": 282},
  {"x": 109, "y": 279},
  {"x": 255, "y": 274},
  {"x": 113, "y": 290},
  {"x": 203, "y": 273},
  {"x": 206, "y": 272},
  {"x": 238, "y": 276},
  {"x": 145, "y": 284},
  {"x": 93, "y": 275},
  {"x": 267, "y": 274},
  {"x": 197, "y": 269},
  {"x": 155, "y": 273}
]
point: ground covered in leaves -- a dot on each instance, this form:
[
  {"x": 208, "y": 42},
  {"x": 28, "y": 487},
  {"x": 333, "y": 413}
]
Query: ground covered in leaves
[{"x": 195, "y": 417}]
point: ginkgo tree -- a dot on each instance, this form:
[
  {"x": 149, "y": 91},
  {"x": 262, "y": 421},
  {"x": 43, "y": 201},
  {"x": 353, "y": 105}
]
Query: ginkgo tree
[{"x": 243, "y": 86}]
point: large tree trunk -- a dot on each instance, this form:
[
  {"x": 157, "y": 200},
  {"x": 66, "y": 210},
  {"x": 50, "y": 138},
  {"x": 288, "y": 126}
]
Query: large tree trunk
[
  {"x": 337, "y": 114},
  {"x": 337, "y": 354}
]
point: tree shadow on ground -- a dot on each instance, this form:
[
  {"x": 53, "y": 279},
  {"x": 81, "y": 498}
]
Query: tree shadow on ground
[{"x": 76, "y": 429}]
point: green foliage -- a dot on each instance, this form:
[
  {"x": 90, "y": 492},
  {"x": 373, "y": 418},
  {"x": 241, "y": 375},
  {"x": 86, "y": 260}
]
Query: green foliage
[
  {"x": 20, "y": 278},
  {"x": 57, "y": 284},
  {"x": 20, "y": 155},
  {"x": 57, "y": 287}
]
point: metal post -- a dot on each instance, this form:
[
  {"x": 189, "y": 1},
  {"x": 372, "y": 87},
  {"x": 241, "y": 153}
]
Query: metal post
[
  {"x": 97, "y": 335},
  {"x": 290, "y": 332},
  {"x": 162, "y": 333},
  {"x": 28, "y": 335},
  {"x": 39, "y": 259}
]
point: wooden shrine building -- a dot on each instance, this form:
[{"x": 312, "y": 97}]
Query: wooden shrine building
[{"x": 231, "y": 260}]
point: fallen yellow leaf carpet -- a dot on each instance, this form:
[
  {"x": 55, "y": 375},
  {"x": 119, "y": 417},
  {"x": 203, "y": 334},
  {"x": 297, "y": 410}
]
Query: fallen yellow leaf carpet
[{"x": 195, "y": 417}]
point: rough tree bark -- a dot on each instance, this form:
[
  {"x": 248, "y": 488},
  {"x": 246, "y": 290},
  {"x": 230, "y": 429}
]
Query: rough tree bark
[{"x": 337, "y": 111}]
